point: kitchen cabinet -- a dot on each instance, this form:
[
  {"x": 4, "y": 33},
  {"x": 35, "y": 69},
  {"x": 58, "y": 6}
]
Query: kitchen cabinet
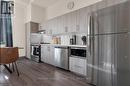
[
  {"x": 71, "y": 21},
  {"x": 76, "y": 21},
  {"x": 43, "y": 26},
  {"x": 59, "y": 25},
  {"x": 34, "y": 27},
  {"x": 54, "y": 26},
  {"x": 47, "y": 54},
  {"x": 78, "y": 65},
  {"x": 83, "y": 20},
  {"x": 65, "y": 23},
  {"x": 48, "y": 27}
]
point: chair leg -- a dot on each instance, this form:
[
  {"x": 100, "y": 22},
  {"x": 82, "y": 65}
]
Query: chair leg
[
  {"x": 16, "y": 68},
  {"x": 8, "y": 68},
  {"x": 9, "y": 65},
  {"x": 13, "y": 66}
]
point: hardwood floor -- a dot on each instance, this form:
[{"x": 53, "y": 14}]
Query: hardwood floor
[{"x": 39, "y": 74}]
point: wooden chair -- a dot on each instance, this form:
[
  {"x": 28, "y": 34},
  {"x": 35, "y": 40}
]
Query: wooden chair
[{"x": 9, "y": 55}]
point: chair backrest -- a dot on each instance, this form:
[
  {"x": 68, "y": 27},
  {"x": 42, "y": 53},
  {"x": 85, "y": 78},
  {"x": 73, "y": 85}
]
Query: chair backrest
[{"x": 8, "y": 55}]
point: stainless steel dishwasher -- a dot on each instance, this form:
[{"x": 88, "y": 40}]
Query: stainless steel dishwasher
[{"x": 62, "y": 57}]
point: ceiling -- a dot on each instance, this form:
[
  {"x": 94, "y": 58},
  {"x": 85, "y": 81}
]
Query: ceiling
[{"x": 42, "y": 3}]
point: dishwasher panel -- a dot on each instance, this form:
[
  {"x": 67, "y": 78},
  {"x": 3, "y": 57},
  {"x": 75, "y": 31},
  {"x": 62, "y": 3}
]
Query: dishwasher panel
[{"x": 62, "y": 57}]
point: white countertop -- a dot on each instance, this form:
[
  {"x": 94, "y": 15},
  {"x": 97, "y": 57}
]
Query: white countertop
[{"x": 84, "y": 46}]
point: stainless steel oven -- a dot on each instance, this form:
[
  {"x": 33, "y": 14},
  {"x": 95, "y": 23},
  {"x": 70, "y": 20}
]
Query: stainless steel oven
[{"x": 36, "y": 52}]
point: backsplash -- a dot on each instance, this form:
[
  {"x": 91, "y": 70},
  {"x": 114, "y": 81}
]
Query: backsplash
[
  {"x": 70, "y": 39},
  {"x": 66, "y": 39}
]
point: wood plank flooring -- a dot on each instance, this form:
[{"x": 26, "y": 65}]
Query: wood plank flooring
[{"x": 39, "y": 74}]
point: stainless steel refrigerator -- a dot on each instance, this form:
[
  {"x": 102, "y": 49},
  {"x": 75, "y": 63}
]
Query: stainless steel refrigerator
[{"x": 108, "y": 54}]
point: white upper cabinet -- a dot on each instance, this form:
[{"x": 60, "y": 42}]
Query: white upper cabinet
[
  {"x": 83, "y": 19},
  {"x": 49, "y": 27},
  {"x": 71, "y": 21},
  {"x": 54, "y": 26},
  {"x": 60, "y": 25},
  {"x": 65, "y": 23},
  {"x": 76, "y": 21}
]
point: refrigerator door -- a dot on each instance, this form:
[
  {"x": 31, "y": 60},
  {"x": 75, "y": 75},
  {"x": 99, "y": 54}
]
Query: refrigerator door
[
  {"x": 102, "y": 52},
  {"x": 113, "y": 59},
  {"x": 123, "y": 17},
  {"x": 122, "y": 60},
  {"x": 114, "y": 19},
  {"x": 106, "y": 50},
  {"x": 106, "y": 20}
]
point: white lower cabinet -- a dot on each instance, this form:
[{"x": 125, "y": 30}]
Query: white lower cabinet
[
  {"x": 47, "y": 54},
  {"x": 78, "y": 65}
]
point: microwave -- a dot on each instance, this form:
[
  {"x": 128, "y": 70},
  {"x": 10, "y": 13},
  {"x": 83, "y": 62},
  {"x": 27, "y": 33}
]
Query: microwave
[{"x": 79, "y": 52}]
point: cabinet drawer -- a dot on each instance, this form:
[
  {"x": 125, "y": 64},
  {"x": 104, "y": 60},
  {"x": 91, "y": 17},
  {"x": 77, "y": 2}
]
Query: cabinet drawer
[{"x": 78, "y": 65}]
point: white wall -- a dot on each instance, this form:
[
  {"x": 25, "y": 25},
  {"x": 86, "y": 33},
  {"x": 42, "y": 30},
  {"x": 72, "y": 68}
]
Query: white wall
[
  {"x": 38, "y": 14},
  {"x": 61, "y": 7},
  {"x": 28, "y": 13},
  {"x": 35, "y": 13},
  {"x": 19, "y": 27}
]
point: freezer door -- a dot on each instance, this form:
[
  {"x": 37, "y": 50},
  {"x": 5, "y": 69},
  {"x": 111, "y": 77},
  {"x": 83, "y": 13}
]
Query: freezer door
[
  {"x": 106, "y": 50},
  {"x": 122, "y": 60}
]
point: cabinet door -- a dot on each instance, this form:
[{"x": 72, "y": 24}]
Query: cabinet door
[
  {"x": 44, "y": 53},
  {"x": 78, "y": 65},
  {"x": 47, "y": 54},
  {"x": 60, "y": 25},
  {"x": 77, "y": 29},
  {"x": 51, "y": 55},
  {"x": 43, "y": 26},
  {"x": 49, "y": 27},
  {"x": 65, "y": 23},
  {"x": 54, "y": 26},
  {"x": 82, "y": 66},
  {"x": 71, "y": 21},
  {"x": 34, "y": 27},
  {"x": 72, "y": 64},
  {"x": 83, "y": 20}
]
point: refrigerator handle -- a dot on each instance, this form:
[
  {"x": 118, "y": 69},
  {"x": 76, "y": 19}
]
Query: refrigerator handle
[{"x": 89, "y": 35}]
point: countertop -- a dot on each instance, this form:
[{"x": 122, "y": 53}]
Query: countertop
[{"x": 82, "y": 46}]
